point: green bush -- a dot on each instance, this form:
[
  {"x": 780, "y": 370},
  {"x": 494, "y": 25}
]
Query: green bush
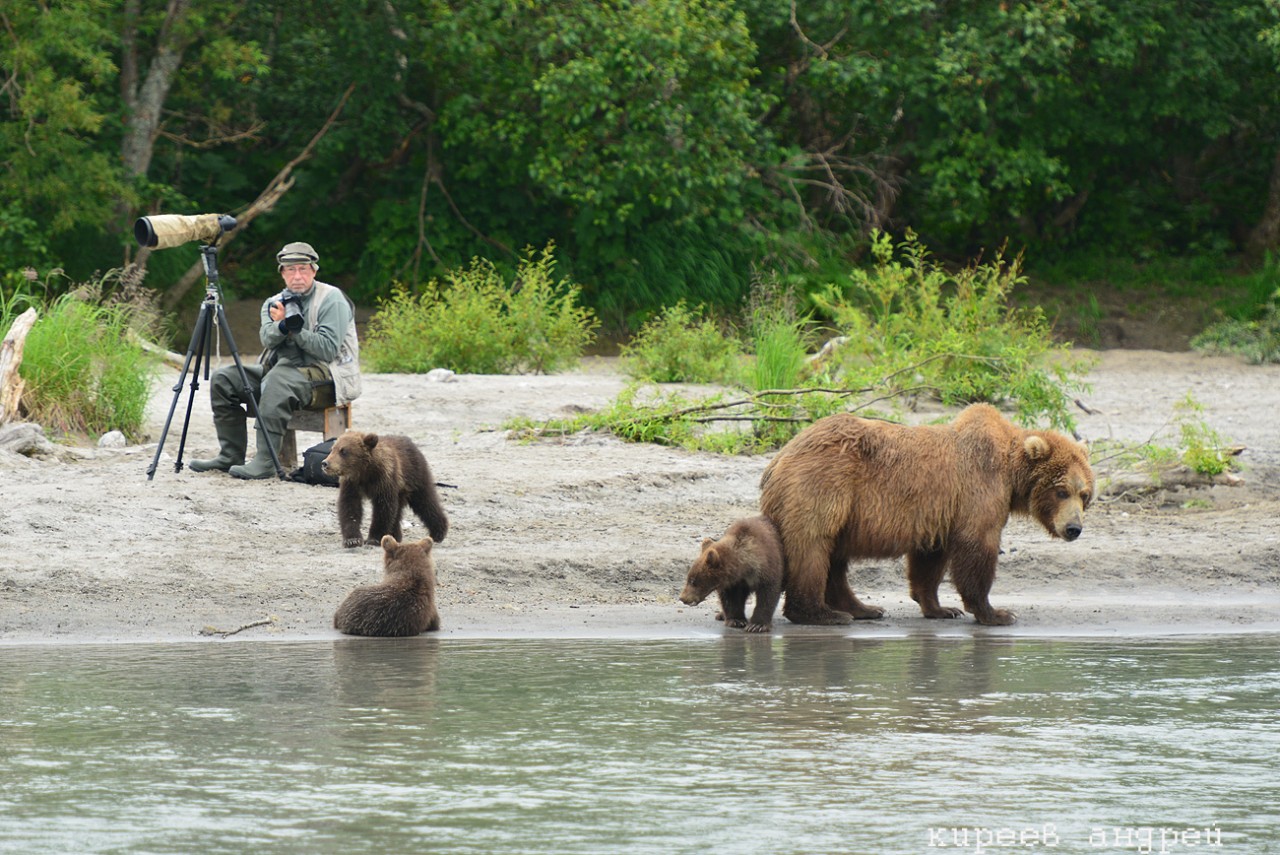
[
  {"x": 1255, "y": 338},
  {"x": 84, "y": 367},
  {"x": 477, "y": 323},
  {"x": 911, "y": 325},
  {"x": 682, "y": 345}
]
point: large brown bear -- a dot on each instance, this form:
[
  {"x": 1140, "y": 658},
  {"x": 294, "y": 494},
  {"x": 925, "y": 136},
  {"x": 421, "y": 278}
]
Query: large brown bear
[
  {"x": 847, "y": 487},
  {"x": 391, "y": 473},
  {"x": 747, "y": 558},
  {"x": 403, "y": 603}
]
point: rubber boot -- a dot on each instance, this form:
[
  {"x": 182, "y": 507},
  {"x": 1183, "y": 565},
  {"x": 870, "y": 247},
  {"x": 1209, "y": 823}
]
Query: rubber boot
[
  {"x": 269, "y": 431},
  {"x": 233, "y": 437}
]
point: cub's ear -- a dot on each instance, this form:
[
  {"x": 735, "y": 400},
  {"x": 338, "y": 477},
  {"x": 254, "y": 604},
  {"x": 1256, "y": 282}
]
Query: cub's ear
[
  {"x": 707, "y": 543},
  {"x": 711, "y": 557},
  {"x": 389, "y": 543},
  {"x": 1036, "y": 447},
  {"x": 425, "y": 544},
  {"x": 370, "y": 440}
]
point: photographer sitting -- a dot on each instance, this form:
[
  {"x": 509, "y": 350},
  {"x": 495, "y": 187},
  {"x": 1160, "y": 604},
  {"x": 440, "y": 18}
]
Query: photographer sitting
[{"x": 311, "y": 359}]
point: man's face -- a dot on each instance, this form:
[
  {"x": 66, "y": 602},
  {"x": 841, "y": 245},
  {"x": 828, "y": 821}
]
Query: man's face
[{"x": 298, "y": 277}]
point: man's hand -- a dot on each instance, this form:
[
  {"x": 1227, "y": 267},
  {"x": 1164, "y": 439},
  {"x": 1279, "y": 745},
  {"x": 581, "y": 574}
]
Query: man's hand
[{"x": 276, "y": 311}]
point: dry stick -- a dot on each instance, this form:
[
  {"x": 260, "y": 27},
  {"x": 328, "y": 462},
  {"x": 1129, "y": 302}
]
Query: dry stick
[{"x": 210, "y": 630}]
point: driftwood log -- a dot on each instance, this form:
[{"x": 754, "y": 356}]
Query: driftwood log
[{"x": 10, "y": 358}]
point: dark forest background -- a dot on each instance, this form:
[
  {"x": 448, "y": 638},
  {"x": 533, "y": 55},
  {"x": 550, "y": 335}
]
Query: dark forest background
[{"x": 667, "y": 149}]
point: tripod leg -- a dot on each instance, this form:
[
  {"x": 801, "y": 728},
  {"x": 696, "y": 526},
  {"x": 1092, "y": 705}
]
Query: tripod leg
[
  {"x": 197, "y": 340},
  {"x": 247, "y": 389},
  {"x": 203, "y": 352}
]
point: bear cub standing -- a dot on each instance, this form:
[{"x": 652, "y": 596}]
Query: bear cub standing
[
  {"x": 391, "y": 473},
  {"x": 747, "y": 558},
  {"x": 403, "y": 603}
]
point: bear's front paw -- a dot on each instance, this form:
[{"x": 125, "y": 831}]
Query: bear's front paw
[
  {"x": 998, "y": 617},
  {"x": 736, "y": 623},
  {"x": 350, "y": 542},
  {"x": 943, "y": 613},
  {"x": 372, "y": 541},
  {"x": 759, "y": 627}
]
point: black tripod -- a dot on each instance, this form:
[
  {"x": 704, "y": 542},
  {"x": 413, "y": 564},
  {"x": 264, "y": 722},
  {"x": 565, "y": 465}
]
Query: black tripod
[{"x": 200, "y": 350}]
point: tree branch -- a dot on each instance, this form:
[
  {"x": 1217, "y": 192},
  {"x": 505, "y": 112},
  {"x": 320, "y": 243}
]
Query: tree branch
[{"x": 267, "y": 199}]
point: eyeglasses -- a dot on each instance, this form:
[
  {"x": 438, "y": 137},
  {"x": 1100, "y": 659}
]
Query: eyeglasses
[{"x": 295, "y": 268}]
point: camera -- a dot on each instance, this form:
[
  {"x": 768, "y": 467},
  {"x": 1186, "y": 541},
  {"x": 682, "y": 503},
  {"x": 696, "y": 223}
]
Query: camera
[{"x": 292, "y": 310}]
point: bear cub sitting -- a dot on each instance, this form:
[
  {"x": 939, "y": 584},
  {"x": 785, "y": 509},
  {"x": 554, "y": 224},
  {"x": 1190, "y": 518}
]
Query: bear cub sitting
[
  {"x": 403, "y": 603},
  {"x": 391, "y": 473},
  {"x": 747, "y": 558}
]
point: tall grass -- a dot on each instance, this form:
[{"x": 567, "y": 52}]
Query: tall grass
[{"x": 84, "y": 370}]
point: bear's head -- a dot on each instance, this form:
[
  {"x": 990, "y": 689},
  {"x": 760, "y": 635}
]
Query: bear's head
[
  {"x": 707, "y": 575},
  {"x": 406, "y": 559},
  {"x": 1061, "y": 482},
  {"x": 350, "y": 453}
]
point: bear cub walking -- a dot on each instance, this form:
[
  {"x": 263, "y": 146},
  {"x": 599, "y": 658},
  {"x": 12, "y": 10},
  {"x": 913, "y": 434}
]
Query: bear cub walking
[
  {"x": 391, "y": 473},
  {"x": 403, "y": 603},
  {"x": 747, "y": 558}
]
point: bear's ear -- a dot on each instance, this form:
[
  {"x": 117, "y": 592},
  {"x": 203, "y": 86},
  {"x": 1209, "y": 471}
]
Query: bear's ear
[
  {"x": 425, "y": 544},
  {"x": 1036, "y": 447},
  {"x": 389, "y": 543},
  {"x": 707, "y": 543},
  {"x": 712, "y": 557},
  {"x": 370, "y": 440}
]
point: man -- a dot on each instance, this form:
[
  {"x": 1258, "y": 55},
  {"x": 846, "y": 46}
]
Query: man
[{"x": 310, "y": 358}]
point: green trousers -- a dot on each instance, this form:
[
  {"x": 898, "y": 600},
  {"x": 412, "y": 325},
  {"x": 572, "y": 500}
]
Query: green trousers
[{"x": 280, "y": 392}]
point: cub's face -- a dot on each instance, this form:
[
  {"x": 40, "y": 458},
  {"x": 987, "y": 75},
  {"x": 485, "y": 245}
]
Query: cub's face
[
  {"x": 705, "y": 576},
  {"x": 1063, "y": 484},
  {"x": 349, "y": 453}
]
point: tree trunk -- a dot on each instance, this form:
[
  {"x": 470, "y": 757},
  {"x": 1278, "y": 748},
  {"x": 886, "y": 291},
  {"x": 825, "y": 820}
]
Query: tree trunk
[
  {"x": 10, "y": 358},
  {"x": 1266, "y": 234},
  {"x": 144, "y": 99}
]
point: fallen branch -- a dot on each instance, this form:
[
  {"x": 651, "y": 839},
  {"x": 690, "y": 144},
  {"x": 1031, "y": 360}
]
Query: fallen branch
[{"x": 224, "y": 633}]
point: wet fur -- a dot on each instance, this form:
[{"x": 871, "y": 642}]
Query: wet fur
[
  {"x": 746, "y": 559},
  {"x": 847, "y": 488},
  {"x": 392, "y": 473},
  {"x": 403, "y": 603}
]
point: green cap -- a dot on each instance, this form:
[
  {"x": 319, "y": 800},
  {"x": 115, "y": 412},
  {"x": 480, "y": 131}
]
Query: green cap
[{"x": 298, "y": 253}]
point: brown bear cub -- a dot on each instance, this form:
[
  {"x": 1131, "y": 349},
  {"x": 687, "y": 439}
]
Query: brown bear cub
[
  {"x": 403, "y": 603},
  {"x": 391, "y": 473},
  {"x": 846, "y": 488},
  {"x": 747, "y": 558}
]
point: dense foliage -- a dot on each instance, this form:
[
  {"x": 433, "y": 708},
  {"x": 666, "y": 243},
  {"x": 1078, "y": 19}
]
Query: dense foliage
[{"x": 669, "y": 148}]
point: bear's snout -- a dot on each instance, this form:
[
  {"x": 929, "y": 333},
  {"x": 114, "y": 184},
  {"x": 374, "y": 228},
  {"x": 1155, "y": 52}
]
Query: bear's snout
[
  {"x": 690, "y": 596},
  {"x": 1072, "y": 531}
]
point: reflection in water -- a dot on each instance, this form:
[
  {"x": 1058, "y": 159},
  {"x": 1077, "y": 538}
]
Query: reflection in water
[{"x": 770, "y": 745}]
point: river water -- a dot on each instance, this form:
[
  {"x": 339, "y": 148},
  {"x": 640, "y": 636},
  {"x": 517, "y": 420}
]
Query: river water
[{"x": 743, "y": 744}]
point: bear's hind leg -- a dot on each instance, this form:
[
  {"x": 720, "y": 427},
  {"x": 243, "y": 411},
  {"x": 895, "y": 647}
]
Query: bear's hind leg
[
  {"x": 733, "y": 605},
  {"x": 924, "y": 572}
]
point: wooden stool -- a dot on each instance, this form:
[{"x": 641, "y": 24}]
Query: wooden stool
[{"x": 329, "y": 423}]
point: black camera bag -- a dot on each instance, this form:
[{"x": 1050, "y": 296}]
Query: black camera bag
[{"x": 310, "y": 472}]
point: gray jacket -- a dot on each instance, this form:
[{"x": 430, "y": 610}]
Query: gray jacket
[{"x": 328, "y": 337}]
